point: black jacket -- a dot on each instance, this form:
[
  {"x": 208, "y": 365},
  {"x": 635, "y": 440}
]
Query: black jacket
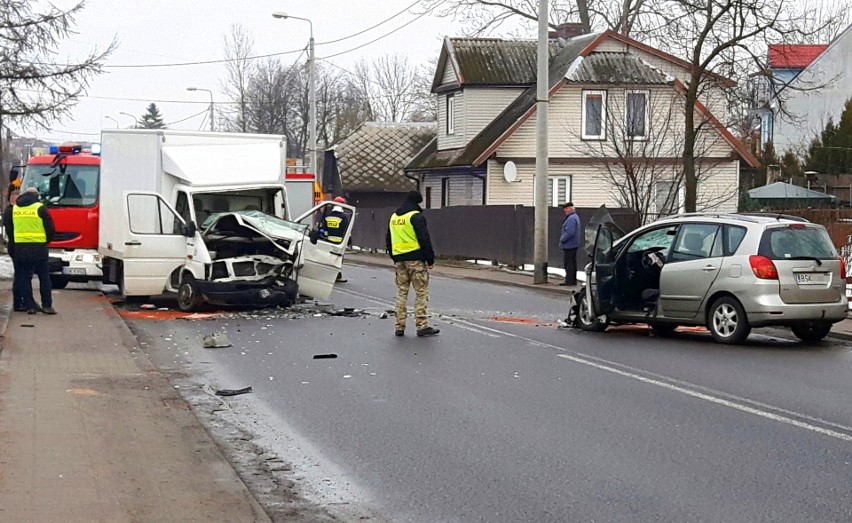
[
  {"x": 28, "y": 251},
  {"x": 425, "y": 253}
]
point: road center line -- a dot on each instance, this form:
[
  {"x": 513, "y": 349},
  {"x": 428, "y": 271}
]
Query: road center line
[{"x": 683, "y": 387}]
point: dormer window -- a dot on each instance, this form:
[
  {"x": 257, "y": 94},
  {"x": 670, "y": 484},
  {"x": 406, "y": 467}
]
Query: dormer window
[
  {"x": 594, "y": 115},
  {"x": 451, "y": 114}
]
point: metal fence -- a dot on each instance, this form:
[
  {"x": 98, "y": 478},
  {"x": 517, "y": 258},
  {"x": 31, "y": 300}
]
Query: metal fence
[{"x": 502, "y": 233}]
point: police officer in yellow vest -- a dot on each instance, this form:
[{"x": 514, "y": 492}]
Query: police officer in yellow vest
[
  {"x": 410, "y": 248},
  {"x": 30, "y": 229}
]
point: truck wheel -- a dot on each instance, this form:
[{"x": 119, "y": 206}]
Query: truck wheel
[
  {"x": 189, "y": 297},
  {"x": 584, "y": 317},
  {"x": 811, "y": 331},
  {"x": 727, "y": 321},
  {"x": 58, "y": 282}
]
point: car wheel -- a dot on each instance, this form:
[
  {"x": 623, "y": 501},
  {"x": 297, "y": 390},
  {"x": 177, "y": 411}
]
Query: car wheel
[
  {"x": 811, "y": 331},
  {"x": 189, "y": 297},
  {"x": 662, "y": 330},
  {"x": 727, "y": 321},
  {"x": 584, "y": 317},
  {"x": 58, "y": 282}
]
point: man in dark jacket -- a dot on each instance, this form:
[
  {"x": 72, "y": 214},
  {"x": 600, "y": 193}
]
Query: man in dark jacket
[
  {"x": 30, "y": 229},
  {"x": 569, "y": 242},
  {"x": 410, "y": 248}
]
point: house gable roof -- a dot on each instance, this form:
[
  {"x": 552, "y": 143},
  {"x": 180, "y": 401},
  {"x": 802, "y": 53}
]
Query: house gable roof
[
  {"x": 372, "y": 157},
  {"x": 490, "y": 61},
  {"x": 793, "y": 56}
]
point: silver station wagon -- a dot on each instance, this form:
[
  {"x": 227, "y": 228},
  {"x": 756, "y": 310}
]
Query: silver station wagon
[{"x": 728, "y": 272}]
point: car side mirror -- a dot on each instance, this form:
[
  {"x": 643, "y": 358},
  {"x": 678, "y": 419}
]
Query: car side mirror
[{"x": 190, "y": 229}]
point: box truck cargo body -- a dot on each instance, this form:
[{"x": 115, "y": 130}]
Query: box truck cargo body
[{"x": 205, "y": 215}]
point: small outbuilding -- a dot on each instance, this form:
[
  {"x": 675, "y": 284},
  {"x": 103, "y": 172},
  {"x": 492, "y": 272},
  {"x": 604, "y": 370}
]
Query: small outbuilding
[{"x": 789, "y": 196}]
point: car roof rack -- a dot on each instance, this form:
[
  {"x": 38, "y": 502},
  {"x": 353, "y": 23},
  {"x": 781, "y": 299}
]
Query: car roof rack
[
  {"x": 778, "y": 216},
  {"x": 732, "y": 216}
]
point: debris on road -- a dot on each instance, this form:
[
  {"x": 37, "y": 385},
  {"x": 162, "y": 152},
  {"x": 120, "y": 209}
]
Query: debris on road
[
  {"x": 349, "y": 312},
  {"x": 217, "y": 340},
  {"x": 383, "y": 316},
  {"x": 233, "y": 392},
  {"x": 324, "y": 356},
  {"x": 148, "y": 307}
]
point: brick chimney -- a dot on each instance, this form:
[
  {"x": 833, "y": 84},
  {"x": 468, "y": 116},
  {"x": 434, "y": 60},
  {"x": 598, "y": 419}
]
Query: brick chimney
[{"x": 567, "y": 30}]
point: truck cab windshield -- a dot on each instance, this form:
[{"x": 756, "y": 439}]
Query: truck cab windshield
[{"x": 64, "y": 186}]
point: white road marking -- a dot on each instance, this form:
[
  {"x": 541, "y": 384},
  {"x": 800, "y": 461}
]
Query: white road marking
[
  {"x": 665, "y": 382},
  {"x": 713, "y": 399}
]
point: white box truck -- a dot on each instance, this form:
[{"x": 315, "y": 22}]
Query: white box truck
[{"x": 205, "y": 216}]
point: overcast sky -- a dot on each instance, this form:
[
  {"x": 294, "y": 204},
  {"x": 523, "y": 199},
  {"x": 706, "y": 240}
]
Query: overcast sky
[{"x": 175, "y": 31}]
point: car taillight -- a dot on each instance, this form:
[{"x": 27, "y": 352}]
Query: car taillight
[
  {"x": 763, "y": 267},
  {"x": 842, "y": 268}
]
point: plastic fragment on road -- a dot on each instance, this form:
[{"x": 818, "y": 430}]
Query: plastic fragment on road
[
  {"x": 217, "y": 340},
  {"x": 233, "y": 392},
  {"x": 324, "y": 356},
  {"x": 148, "y": 306}
]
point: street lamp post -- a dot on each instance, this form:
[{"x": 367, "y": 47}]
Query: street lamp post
[
  {"x": 312, "y": 92},
  {"x": 135, "y": 121},
  {"x": 211, "y": 102},
  {"x": 113, "y": 119}
]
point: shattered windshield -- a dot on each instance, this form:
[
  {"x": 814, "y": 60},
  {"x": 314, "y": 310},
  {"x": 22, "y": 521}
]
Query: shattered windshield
[
  {"x": 270, "y": 225},
  {"x": 64, "y": 185}
]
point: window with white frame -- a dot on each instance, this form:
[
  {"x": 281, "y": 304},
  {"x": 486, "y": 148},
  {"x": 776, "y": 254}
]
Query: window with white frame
[
  {"x": 636, "y": 114},
  {"x": 451, "y": 114},
  {"x": 594, "y": 115},
  {"x": 558, "y": 190}
]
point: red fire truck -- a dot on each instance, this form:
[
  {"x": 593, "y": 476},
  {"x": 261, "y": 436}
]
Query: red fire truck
[{"x": 67, "y": 179}]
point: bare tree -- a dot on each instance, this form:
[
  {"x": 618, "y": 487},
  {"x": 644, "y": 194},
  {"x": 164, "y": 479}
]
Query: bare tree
[
  {"x": 239, "y": 48},
  {"x": 35, "y": 87},
  {"x": 387, "y": 86}
]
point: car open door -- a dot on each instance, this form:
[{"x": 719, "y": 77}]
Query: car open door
[
  {"x": 321, "y": 262},
  {"x": 155, "y": 243},
  {"x": 602, "y": 284}
]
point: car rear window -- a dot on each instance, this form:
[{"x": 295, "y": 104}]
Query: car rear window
[{"x": 796, "y": 242}]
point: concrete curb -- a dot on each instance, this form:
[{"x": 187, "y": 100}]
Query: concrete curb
[{"x": 5, "y": 312}]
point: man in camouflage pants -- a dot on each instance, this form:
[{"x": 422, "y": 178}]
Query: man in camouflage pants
[{"x": 410, "y": 248}]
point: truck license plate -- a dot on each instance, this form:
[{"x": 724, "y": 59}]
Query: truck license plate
[
  {"x": 810, "y": 278},
  {"x": 73, "y": 270}
]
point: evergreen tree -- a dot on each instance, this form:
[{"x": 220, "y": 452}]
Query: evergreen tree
[
  {"x": 831, "y": 153},
  {"x": 152, "y": 118}
]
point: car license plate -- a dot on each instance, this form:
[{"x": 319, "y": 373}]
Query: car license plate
[
  {"x": 811, "y": 278},
  {"x": 73, "y": 270}
]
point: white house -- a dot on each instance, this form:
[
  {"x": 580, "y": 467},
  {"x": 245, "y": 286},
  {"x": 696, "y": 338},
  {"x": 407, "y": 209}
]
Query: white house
[{"x": 613, "y": 101}]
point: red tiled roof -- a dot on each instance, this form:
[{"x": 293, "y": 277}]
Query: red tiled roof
[{"x": 794, "y": 56}]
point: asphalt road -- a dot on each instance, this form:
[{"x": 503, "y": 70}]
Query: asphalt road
[{"x": 503, "y": 418}]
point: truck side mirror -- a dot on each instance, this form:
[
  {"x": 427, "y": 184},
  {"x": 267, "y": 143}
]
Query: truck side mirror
[{"x": 190, "y": 229}]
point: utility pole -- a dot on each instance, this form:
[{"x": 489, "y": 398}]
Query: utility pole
[
  {"x": 312, "y": 103},
  {"x": 542, "y": 88}
]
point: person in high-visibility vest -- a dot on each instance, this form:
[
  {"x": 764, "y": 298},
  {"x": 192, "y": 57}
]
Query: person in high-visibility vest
[
  {"x": 334, "y": 225},
  {"x": 410, "y": 247},
  {"x": 30, "y": 229}
]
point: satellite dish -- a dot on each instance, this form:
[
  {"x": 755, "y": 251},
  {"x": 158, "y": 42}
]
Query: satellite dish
[{"x": 510, "y": 172}]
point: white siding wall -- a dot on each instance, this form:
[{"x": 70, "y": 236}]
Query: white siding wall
[
  {"x": 449, "y": 75},
  {"x": 564, "y": 119},
  {"x": 611, "y": 46},
  {"x": 718, "y": 187},
  {"x": 588, "y": 185},
  {"x": 457, "y": 139},
  {"x": 483, "y": 105}
]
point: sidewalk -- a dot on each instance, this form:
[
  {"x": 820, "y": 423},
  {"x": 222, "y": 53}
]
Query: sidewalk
[
  {"x": 469, "y": 271},
  {"x": 90, "y": 431}
]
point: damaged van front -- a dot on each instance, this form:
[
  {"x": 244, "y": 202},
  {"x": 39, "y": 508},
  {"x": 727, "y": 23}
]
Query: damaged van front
[{"x": 238, "y": 258}]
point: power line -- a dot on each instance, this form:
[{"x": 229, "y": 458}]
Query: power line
[
  {"x": 187, "y": 118},
  {"x": 386, "y": 34},
  {"x": 359, "y": 33},
  {"x": 202, "y": 62}
]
